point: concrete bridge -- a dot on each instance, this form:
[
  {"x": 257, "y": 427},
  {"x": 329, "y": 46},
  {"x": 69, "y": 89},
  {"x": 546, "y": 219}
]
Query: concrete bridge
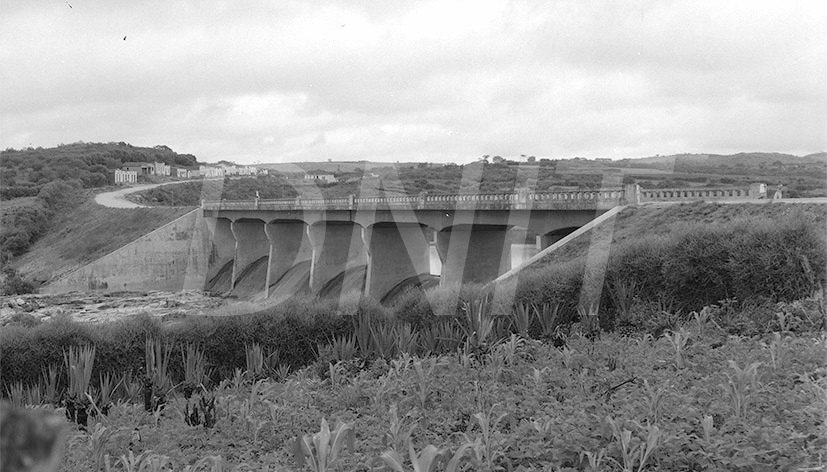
[
  {"x": 386, "y": 241},
  {"x": 277, "y": 248}
]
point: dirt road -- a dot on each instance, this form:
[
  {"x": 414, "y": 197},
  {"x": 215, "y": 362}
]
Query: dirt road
[{"x": 117, "y": 199}]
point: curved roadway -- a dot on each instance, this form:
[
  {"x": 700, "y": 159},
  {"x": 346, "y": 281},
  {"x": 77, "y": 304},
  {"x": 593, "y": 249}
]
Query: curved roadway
[{"x": 117, "y": 198}]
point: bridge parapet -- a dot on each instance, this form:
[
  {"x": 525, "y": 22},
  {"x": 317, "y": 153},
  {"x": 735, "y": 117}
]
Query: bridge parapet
[
  {"x": 561, "y": 200},
  {"x": 577, "y": 199},
  {"x": 699, "y": 193}
]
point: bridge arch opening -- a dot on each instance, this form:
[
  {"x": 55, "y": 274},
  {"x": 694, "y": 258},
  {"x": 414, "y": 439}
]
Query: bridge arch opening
[
  {"x": 289, "y": 258},
  {"x": 221, "y": 255},
  {"x": 476, "y": 253},
  {"x": 547, "y": 239},
  {"x": 252, "y": 251},
  {"x": 397, "y": 252},
  {"x": 337, "y": 248}
]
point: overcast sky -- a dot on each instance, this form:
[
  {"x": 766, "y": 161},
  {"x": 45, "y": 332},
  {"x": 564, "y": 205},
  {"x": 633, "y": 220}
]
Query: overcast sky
[{"x": 280, "y": 81}]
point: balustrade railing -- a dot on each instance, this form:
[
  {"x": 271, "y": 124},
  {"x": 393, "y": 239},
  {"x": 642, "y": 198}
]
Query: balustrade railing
[
  {"x": 669, "y": 194},
  {"x": 518, "y": 200}
]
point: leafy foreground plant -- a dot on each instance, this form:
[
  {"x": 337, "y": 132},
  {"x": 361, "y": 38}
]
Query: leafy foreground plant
[
  {"x": 79, "y": 362},
  {"x": 323, "y": 448},
  {"x": 479, "y": 325},
  {"x": 428, "y": 460},
  {"x": 634, "y": 451},
  {"x": 157, "y": 382},
  {"x": 678, "y": 340},
  {"x": 740, "y": 385}
]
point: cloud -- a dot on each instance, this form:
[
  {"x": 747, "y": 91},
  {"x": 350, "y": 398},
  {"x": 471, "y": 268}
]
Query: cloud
[{"x": 447, "y": 81}]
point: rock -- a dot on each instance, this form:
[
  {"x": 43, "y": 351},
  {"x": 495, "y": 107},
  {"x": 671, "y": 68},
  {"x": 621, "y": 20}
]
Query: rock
[{"x": 20, "y": 302}]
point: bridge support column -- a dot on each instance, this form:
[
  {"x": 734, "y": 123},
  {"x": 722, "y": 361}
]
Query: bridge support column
[
  {"x": 337, "y": 247},
  {"x": 396, "y": 252},
  {"x": 251, "y": 244},
  {"x": 473, "y": 253},
  {"x": 289, "y": 245},
  {"x": 221, "y": 253}
]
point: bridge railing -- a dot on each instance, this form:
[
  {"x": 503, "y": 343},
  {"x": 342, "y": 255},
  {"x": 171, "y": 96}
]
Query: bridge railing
[
  {"x": 596, "y": 198},
  {"x": 699, "y": 193},
  {"x": 506, "y": 200}
]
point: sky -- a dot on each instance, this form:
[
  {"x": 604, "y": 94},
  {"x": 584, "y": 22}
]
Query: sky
[{"x": 439, "y": 81}]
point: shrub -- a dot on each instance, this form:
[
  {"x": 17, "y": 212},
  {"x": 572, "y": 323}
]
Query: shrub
[
  {"x": 694, "y": 266},
  {"x": 13, "y": 284},
  {"x": 295, "y": 329}
]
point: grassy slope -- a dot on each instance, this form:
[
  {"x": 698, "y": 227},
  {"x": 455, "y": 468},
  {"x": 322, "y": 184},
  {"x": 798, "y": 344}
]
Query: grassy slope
[
  {"x": 88, "y": 232},
  {"x": 661, "y": 220}
]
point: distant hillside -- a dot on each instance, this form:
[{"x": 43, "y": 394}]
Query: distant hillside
[
  {"x": 23, "y": 172},
  {"x": 818, "y": 156},
  {"x": 333, "y": 167},
  {"x": 743, "y": 158}
]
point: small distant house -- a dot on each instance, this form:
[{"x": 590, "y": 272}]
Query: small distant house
[
  {"x": 229, "y": 169},
  {"x": 180, "y": 172},
  {"x": 247, "y": 170},
  {"x": 123, "y": 177},
  {"x": 161, "y": 168},
  {"x": 210, "y": 171},
  {"x": 142, "y": 168},
  {"x": 320, "y": 175}
]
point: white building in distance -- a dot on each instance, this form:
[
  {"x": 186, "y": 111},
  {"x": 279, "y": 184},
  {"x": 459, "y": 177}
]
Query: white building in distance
[
  {"x": 123, "y": 177},
  {"x": 162, "y": 169},
  {"x": 318, "y": 175}
]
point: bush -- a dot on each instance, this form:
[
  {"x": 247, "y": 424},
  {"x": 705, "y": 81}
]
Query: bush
[
  {"x": 752, "y": 260},
  {"x": 294, "y": 329},
  {"x": 13, "y": 284}
]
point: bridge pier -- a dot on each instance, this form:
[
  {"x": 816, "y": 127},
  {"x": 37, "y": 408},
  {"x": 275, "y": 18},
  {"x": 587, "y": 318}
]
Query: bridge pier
[
  {"x": 289, "y": 245},
  {"x": 395, "y": 252},
  {"x": 473, "y": 253},
  {"x": 221, "y": 253},
  {"x": 251, "y": 244},
  {"x": 337, "y": 247}
]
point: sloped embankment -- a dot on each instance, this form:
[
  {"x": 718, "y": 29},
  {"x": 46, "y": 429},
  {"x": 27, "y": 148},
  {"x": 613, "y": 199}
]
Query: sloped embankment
[
  {"x": 635, "y": 222},
  {"x": 87, "y": 233}
]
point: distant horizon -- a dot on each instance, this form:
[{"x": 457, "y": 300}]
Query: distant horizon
[{"x": 467, "y": 160}]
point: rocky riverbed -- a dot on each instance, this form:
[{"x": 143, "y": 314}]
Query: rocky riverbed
[{"x": 97, "y": 307}]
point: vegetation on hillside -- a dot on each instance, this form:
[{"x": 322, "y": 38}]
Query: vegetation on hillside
[
  {"x": 23, "y": 220},
  {"x": 24, "y": 172},
  {"x": 191, "y": 193},
  {"x": 268, "y": 187},
  {"x": 37, "y": 184}
]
